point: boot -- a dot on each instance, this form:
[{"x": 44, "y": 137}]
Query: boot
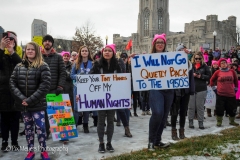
[
  {"x": 238, "y": 116},
  {"x": 85, "y": 127},
  {"x": 219, "y": 121},
  {"x": 15, "y": 146},
  {"x": 232, "y": 122},
  {"x": 191, "y": 123},
  {"x": 118, "y": 123},
  {"x": 95, "y": 120},
  {"x": 181, "y": 133},
  {"x": 200, "y": 123},
  {"x": 209, "y": 112},
  {"x": 174, "y": 134},
  {"x": 22, "y": 133},
  {"x": 127, "y": 132}
]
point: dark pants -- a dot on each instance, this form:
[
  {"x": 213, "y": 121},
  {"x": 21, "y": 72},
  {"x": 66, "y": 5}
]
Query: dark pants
[
  {"x": 102, "y": 114},
  {"x": 145, "y": 97},
  {"x": 10, "y": 122},
  {"x": 135, "y": 102},
  {"x": 226, "y": 103},
  {"x": 179, "y": 106},
  {"x": 160, "y": 102},
  {"x": 122, "y": 114}
]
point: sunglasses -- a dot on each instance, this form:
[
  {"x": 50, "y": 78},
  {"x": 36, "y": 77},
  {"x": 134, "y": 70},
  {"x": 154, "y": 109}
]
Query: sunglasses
[{"x": 198, "y": 58}]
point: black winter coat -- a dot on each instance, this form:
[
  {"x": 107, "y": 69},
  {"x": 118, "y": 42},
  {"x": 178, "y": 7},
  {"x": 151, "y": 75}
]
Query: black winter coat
[
  {"x": 201, "y": 83},
  {"x": 68, "y": 88},
  {"x": 57, "y": 69},
  {"x": 31, "y": 84},
  {"x": 96, "y": 69},
  {"x": 7, "y": 64}
]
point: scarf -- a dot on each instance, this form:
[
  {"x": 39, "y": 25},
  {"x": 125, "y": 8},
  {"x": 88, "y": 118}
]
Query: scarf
[{"x": 197, "y": 65}]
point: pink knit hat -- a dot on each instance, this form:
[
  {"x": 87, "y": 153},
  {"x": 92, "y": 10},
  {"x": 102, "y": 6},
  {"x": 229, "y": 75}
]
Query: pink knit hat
[
  {"x": 161, "y": 36},
  {"x": 220, "y": 60},
  {"x": 65, "y": 52},
  {"x": 214, "y": 62},
  {"x": 112, "y": 46}
]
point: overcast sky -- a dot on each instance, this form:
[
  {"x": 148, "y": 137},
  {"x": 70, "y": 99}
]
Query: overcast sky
[{"x": 108, "y": 16}]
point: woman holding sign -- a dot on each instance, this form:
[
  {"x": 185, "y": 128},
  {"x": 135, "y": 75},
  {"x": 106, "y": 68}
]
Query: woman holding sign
[
  {"x": 82, "y": 66},
  {"x": 29, "y": 84},
  {"x": 160, "y": 102},
  {"x": 107, "y": 64}
]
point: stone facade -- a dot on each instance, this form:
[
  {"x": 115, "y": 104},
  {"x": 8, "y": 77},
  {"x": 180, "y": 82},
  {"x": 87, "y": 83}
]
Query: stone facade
[
  {"x": 153, "y": 18},
  {"x": 200, "y": 33}
]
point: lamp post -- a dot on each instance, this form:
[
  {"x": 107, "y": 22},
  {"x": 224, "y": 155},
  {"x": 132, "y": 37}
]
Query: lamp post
[
  {"x": 214, "y": 39},
  {"x": 59, "y": 48},
  {"x": 106, "y": 39}
]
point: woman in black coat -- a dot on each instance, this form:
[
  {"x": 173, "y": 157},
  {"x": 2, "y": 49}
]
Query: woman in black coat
[
  {"x": 9, "y": 58},
  {"x": 29, "y": 84}
]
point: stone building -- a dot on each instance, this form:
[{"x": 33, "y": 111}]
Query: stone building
[
  {"x": 200, "y": 33},
  {"x": 39, "y": 28},
  {"x": 153, "y": 18}
]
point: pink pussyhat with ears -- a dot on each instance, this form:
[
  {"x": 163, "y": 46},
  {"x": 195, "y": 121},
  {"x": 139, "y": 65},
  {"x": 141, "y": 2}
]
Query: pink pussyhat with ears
[
  {"x": 214, "y": 62},
  {"x": 229, "y": 61},
  {"x": 65, "y": 52},
  {"x": 159, "y": 36},
  {"x": 112, "y": 46}
]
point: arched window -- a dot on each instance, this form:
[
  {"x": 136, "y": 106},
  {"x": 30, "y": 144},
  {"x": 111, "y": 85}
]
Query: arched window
[
  {"x": 146, "y": 21},
  {"x": 160, "y": 20}
]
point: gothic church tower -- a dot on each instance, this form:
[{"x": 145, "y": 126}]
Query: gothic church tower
[{"x": 153, "y": 18}]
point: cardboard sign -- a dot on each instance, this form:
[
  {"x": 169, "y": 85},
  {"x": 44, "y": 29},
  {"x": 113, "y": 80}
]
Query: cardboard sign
[
  {"x": 103, "y": 91},
  {"x": 157, "y": 71},
  {"x": 60, "y": 115},
  {"x": 210, "y": 99}
]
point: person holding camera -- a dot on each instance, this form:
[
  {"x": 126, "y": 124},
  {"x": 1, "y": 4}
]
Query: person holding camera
[
  {"x": 9, "y": 115},
  {"x": 202, "y": 74}
]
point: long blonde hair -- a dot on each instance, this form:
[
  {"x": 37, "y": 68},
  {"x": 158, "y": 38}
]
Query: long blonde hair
[
  {"x": 197, "y": 54},
  {"x": 79, "y": 58},
  {"x": 38, "y": 60}
]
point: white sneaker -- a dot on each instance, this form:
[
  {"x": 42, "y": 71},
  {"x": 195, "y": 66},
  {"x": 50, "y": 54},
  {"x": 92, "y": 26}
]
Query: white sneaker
[
  {"x": 143, "y": 113},
  {"x": 149, "y": 113}
]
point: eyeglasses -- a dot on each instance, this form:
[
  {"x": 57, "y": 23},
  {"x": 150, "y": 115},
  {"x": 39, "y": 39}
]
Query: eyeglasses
[
  {"x": 198, "y": 59},
  {"x": 162, "y": 43},
  {"x": 74, "y": 55}
]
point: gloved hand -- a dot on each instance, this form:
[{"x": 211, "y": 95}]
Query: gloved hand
[{"x": 59, "y": 90}]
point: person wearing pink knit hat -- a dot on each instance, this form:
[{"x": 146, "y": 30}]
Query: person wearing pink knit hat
[
  {"x": 160, "y": 101},
  {"x": 107, "y": 64}
]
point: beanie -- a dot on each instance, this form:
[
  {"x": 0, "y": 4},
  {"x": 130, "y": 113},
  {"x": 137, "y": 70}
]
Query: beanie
[
  {"x": 220, "y": 60},
  {"x": 112, "y": 46},
  {"x": 215, "y": 62},
  {"x": 180, "y": 46},
  {"x": 48, "y": 37},
  {"x": 65, "y": 52},
  {"x": 159, "y": 36}
]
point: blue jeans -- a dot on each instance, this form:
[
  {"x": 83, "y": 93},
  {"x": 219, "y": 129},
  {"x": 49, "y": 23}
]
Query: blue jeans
[
  {"x": 123, "y": 115},
  {"x": 160, "y": 102}
]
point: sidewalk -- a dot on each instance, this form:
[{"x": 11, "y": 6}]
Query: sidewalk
[{"x": 85, "y": 147}]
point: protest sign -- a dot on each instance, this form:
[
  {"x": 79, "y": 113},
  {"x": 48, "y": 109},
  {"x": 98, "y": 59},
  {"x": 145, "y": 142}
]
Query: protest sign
[
  {"x": 60, "y": 115},
  {"x": 238, "y": 92},
  {"x": 103, "y": 91},
  {"x": 38, "y": 40},
  {"x": 168, "y": 70},
  {"x": 210, "y": 99}
]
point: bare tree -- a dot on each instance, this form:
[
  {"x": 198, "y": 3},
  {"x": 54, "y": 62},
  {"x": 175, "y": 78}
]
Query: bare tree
[
  {"x": 233, "y": 33},
  {"x": 85, "y": 35}
]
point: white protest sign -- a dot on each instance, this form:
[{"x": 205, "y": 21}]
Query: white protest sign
[
  {"x": 210, "y": 99},
  {"x": 103, "y": 91},
  {"x": 157, "y": 71}
]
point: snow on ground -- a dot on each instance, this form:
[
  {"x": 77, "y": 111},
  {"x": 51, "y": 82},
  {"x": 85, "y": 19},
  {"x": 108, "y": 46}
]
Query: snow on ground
[{"x": 86, "y": 145}]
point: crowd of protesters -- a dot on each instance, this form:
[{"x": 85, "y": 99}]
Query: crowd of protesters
[{"x": 26, "y": 79}]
